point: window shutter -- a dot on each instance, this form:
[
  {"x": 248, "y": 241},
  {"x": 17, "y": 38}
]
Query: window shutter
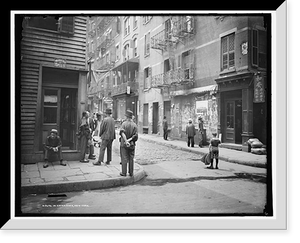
[
  {"x": 224, "y": 53},
  {"x": 66, "y": 25},
  {"x": 179, "y": 61},
  {"x": 150, "y": 77},
  {"x": 148, "y": 43},
  {"x": 191, "y": 70},
  {"x": 254, "y": 47},
  {"x": 262, "y": 49}
]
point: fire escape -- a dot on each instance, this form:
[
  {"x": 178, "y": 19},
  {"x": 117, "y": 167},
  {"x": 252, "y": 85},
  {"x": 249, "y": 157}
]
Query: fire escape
[{"x": 178, "y": 29}]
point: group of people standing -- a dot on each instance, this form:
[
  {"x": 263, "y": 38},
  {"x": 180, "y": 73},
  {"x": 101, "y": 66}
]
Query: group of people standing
[
  {"x": 105, "y": 129},
  {"x": 91, "y": 126}
]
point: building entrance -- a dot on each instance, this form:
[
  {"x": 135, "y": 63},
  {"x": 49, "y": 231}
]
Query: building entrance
[{"x": 232, "y": 117}]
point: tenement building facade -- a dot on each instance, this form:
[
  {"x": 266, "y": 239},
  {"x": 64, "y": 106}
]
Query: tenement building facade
[{"x": 182, "y": 67}]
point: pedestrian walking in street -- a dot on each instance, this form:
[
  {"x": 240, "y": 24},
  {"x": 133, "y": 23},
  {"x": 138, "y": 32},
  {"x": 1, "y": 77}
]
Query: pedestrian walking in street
[
  {"x": 214, "y": 150},
  {"x": 201, "y": 131},
  {"x": 107, "y": 134},
  {"x": 165, "y": 128},
  {"x": 92, "y": 126},
  {"x": 191, "y": 132},
  {"x": 129, "y": 136},
  {"x": 84, "y": 136},
  {"x": 53, "y": 146}
]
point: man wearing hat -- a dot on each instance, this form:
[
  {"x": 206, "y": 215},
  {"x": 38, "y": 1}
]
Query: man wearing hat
[
  {"x": 201, "y": 131},
  {"x": 107, "y": 134},
  {"x": 190, "y": 132},
  {"x": 53, "y": 145},
  {"x": 129, "y": 135}
]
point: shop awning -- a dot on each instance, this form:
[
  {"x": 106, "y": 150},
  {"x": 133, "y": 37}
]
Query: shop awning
[{"x": 198, "y": 90}]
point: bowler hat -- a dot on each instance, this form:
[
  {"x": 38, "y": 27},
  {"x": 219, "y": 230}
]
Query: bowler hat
[
  {"x": 54, "y": 131},
  {"x": 108, "y": 111},
  {"x": 129, "y": 114}
]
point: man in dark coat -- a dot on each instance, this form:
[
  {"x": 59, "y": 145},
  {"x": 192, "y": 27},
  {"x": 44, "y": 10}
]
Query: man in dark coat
[
  {"x": 92, "y": 126},
  {"x": 84, "y": 136},
  {"x": 190, "y": 132},
  {"x": 129, "y": 135},
  {"x": 201, "y": 131},
  {"x": 53, "y": 145},
  {"x": 165, "y": 128},
  {"x": 107, "y": 134}
]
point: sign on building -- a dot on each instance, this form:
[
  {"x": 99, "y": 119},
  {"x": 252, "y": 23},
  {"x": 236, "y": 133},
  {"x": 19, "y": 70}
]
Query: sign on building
[{"x": 259, "y": 89}]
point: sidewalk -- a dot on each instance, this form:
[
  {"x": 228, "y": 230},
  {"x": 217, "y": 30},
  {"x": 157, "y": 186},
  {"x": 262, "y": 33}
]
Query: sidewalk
[
  {"x": 228, "y": 155},
  {"x": 75, "y": 176}
]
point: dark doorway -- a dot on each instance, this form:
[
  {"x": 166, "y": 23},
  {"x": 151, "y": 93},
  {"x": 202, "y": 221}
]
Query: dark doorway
[
  {"x": 68, "y": 117},
  {"x": 232, "y": 116},
  {"x": 238, "y": 121},
  {"x": 167, "y": 111},
  {"x": 155, "y": 118}
]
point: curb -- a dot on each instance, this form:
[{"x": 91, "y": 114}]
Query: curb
[
  {"x": 235, "y": 161},
  {"x": 71, "y": 186}
]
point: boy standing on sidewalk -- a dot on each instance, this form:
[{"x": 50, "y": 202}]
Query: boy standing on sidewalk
[{"x": 214, "y": 150}]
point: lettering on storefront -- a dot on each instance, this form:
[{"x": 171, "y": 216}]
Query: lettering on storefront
[{"x": 259, "y": 89}]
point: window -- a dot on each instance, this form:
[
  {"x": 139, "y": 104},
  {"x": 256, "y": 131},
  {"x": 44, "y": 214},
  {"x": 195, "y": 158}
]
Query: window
[
  {"x": 107, "y": 58},
  {"x": 147, "y": 77},
  {"x": 117, "y": 52},
  {"x": 145, "y": 114},
  {"x": 179, "y": 61},
  {"x": 167, "y": 67},
  {"x": 118, "y": 29},
  {"x": 92, "y": 46},
  {"x": 63, "y": 24},
  {"x": 259, "y": 49},
  {"x": 188, "y": 64},
  {"x": 134, "y": 22},
  {"x": 50, "y": 106},
  {"x": 188, "y": 24},
  {"x": 227, "y": 45},
  {"x": 66, "y": 25},
  {"x": 135, "y": 47},
  {"x": 168, "y": 29},
  {"x": 47, "y": 23},
  {"x": 146, "y": 19},
  {"x": 126, "y": 52},
  {"x": 147, "y": 44},
  {"x": 126, "y": 26}
]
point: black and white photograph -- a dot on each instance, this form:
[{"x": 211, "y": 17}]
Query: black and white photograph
[{"x": 144, "y": 115}]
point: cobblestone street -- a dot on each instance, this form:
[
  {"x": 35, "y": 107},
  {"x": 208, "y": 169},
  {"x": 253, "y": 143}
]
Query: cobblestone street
[{"x": 152, "y": 153}]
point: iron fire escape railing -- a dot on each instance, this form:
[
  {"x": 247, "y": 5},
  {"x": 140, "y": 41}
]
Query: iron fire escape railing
[
  {"x": 161, "y": 40},
  {"x": 173, "y": 77}
]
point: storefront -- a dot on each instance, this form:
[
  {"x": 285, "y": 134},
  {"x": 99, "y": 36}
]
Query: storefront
[
  {"x": 62, "y": 102},
  {"x": 241, "y": 114}
]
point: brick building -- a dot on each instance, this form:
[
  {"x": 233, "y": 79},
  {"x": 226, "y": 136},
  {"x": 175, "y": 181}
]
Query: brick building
[{"x": 189, "y": 66}]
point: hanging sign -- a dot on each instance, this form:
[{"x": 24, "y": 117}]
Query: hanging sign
[
  {"x": 244, "y": 47},
  {"x": 259, "y": 89},
  {"x": 60, "y": 63}
]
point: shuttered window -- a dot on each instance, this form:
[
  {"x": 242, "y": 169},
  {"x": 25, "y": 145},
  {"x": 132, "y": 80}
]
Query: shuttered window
[
  {"x": 227, "y": 45},
  {"x": 259, "y": 48}
]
